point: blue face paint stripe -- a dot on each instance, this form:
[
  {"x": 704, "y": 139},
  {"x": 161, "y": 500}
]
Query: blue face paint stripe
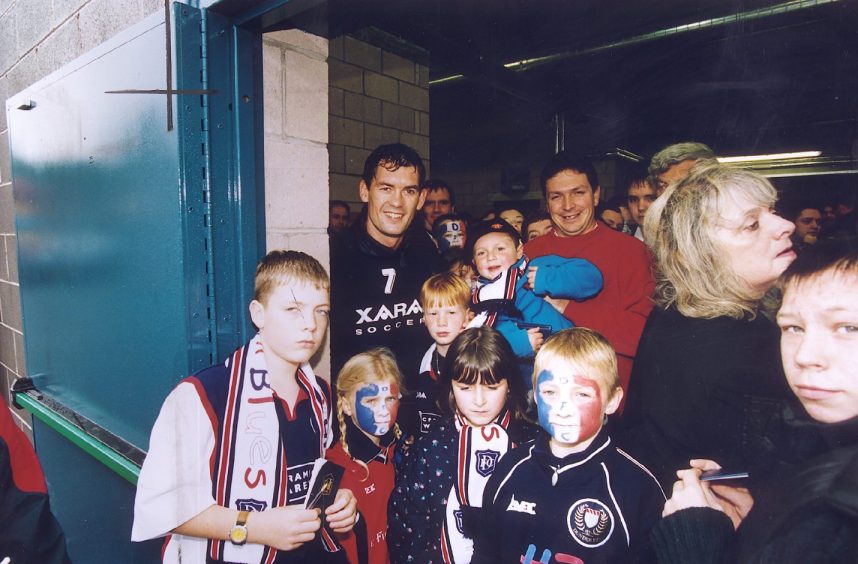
[
  {"x": 364, "y": 415},
  {"x": 542, "y": 407}
]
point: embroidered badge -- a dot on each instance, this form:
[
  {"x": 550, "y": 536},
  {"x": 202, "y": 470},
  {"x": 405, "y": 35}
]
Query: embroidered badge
[
  {"x": 590, "y": 522},
  {"x": 458, "y": 515},
  {"x": 250, "y": 505},
  {"x": 486, "y": 461}
]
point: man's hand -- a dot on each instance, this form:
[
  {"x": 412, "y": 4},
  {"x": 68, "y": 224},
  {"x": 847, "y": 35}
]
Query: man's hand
[
  {"x": 534, "y": 335},
  {"x": 342, "y": 514}
]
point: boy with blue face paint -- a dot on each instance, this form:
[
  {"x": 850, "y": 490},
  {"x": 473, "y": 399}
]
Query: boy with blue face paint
[{"x": 571, "y": 496}]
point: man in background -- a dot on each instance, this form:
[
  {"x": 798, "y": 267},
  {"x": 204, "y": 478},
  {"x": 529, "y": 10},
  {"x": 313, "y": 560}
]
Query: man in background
[
  {"x": 339, "y": 213},
  {"x": 439, "y": 201},
  {"x": 674, "y": 162}
]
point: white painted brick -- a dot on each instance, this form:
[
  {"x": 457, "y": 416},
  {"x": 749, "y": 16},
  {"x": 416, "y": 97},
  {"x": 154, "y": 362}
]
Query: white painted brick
[
  {"x": 296, "y": 184},
  {"x": 102, "y": 19},
  {"x": 272, "y": 88},
  {"x": 306, "y": 97},
  {"x": 62, "y": 9},
  {"x": 301, "y": 41},
  {"x": 8, "y": 52},
  {"x": 31, "y": 24},
  {"x": 314, "y": 243}
]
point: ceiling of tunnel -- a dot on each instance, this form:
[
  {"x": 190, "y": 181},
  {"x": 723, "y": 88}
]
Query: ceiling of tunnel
[{"x": 744, "y": 76}]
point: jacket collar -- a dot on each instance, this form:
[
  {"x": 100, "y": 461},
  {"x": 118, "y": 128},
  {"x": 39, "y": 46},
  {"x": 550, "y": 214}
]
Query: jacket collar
[
  {"x": 542, "y": 452},
  {"x": 363, "y": 449}
]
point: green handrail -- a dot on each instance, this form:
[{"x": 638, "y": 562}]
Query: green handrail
[{"x": 35, "y": 403}]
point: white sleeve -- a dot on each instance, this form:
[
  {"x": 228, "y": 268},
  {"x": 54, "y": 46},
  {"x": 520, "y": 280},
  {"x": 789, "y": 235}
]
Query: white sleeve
[{"x": 175, "y": 481}]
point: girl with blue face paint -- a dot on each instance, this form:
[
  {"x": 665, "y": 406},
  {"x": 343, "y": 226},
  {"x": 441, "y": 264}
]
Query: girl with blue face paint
[{"x": 368, "y": 393}]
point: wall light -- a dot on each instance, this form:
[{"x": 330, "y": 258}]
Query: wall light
[{"x": 772, "y": 157}]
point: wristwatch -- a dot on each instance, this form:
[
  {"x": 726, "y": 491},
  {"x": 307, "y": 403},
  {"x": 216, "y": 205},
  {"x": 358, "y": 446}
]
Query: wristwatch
[{"x": 238, "y": 532}]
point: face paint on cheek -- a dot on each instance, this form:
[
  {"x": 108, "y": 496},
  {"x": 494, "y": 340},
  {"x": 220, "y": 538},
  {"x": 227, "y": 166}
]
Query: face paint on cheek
[
  {"x": 569, "y": 415},
  {"x": 451, "y": 235},
  {"x": 394, "y": 405},
  {"x": 543, "y": 407},
  {"x": 366, "y": 414},
  {"x": 589, "y": 409}
]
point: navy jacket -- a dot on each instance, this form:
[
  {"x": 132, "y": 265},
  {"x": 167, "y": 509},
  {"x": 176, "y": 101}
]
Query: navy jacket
[
  {"x": 594, "y": 506},
  {"x": 424, "y": 478}
]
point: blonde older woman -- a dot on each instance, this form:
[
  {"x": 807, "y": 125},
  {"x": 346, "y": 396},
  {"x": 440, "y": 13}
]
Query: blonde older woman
[{"x": 707, "y": 380}]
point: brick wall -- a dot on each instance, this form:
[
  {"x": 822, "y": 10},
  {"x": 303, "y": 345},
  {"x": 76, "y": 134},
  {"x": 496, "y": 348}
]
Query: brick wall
[
  {"x": 295, "y": 93},
  {"x": 39, "y": 37},
  {"x": 375, "y": 97}
]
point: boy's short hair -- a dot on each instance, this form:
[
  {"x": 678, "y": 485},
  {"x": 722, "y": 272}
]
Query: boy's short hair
[
  {"x": 584, "y": 347},
  {"x": 533, "y": 217},
  {"x": 339, "y": 204},
  {"x": 279, "y": 266},
  {"x": 445, "y": 288},
  {"x": 839, "y": 256},
  {"x": 435, "y": 184}
]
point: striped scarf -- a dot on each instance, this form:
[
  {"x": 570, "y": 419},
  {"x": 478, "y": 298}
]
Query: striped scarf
[
  {"x": 249, "y": 464},
  {"x": 479, "y": 450},
  {"x": 496, "y": 295}
]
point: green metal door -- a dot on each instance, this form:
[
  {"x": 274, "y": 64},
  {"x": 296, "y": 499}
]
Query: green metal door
[{"x": 136, "y": 208}]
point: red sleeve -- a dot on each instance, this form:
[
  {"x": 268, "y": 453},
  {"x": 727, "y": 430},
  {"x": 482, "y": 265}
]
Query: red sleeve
[
  {"x": 633, "y": 287},
  {"x": 26, "y": 470}
]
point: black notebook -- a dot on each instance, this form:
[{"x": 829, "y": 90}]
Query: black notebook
[{"x": 324, "y": 483}]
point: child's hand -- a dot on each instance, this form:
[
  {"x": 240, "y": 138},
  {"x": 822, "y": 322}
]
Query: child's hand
[
  {"x": 531, "y": 277},
  {"x": 342, "y": 514},
  {"x": 534, "y": 335},
  {"x": 284, "y": 528}
]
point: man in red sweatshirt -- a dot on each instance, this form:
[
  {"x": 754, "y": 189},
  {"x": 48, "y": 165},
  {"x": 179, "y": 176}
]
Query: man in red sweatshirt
[{"x": 571, "y": 189}]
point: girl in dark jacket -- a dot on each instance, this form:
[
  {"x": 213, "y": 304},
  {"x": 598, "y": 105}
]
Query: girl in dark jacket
[{"x": 439, "y": 481}]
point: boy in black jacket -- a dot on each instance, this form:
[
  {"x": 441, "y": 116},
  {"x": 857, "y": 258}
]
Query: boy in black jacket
[{"x": 571, "y": 496}]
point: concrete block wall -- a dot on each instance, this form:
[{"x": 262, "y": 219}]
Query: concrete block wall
[
  {"x": 375, "y": 97},
  {"x": 295, "y": 98},
  {"x": 39, "y": 37}
]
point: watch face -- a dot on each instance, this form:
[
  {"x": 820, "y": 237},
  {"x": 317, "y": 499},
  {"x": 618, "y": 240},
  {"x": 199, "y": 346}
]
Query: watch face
[{"x": 238, "y": 534}]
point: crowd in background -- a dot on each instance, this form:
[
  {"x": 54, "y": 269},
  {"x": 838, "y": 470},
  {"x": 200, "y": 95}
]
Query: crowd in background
[{"x": 665, "y": 376}]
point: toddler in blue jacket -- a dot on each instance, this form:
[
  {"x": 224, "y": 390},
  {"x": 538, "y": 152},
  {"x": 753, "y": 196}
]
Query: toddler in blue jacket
[{"x": 512, "y": 289}]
